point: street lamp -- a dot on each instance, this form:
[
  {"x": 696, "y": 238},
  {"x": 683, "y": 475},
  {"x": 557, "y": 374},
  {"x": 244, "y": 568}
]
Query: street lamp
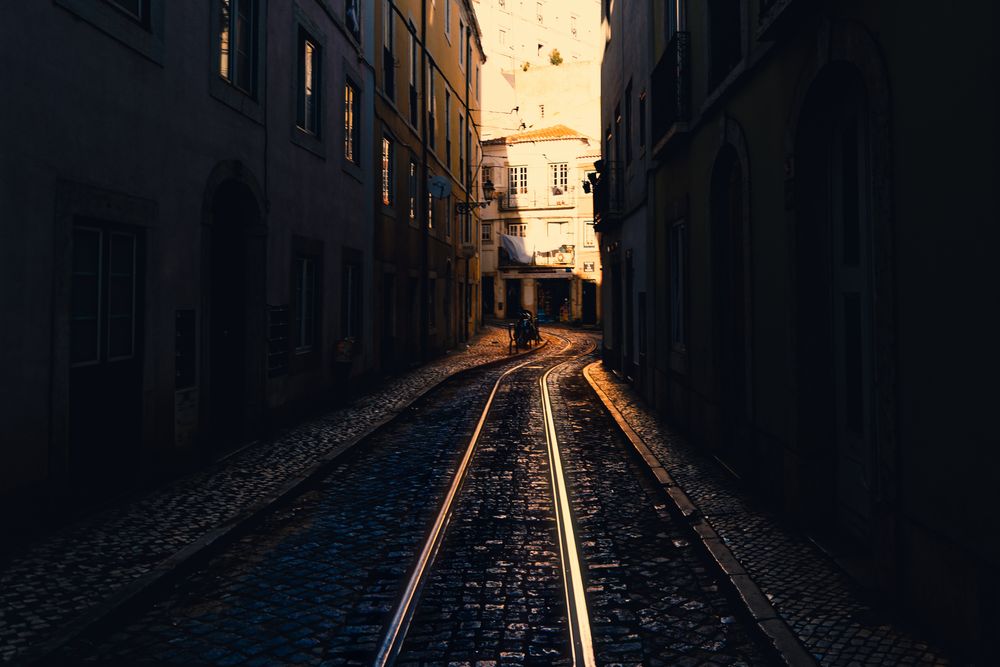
[{"x": 467, "y": 207}]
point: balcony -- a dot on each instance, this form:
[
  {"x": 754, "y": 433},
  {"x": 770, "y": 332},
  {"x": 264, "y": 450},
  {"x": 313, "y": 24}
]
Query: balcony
[
  {"x": 563, "y": 257},
  {"x": 609, "y": 195},
  {"x": 549, "y": 197},
  {"x": 671, "y": 86}
]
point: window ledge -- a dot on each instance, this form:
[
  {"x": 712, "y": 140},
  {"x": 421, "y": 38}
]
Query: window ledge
[
  {"x": 148, "y": 43},
  {"x": 310, "y": 142},
  {"x": 353, "y": 169},
  {"x": 236, "y": 99}
]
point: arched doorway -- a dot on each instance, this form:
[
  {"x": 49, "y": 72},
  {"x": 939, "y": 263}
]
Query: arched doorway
[
  {"x": 730, "y": 305},
  {"x": 835, "y": 344},
  {"x": 234, "y": 299}
]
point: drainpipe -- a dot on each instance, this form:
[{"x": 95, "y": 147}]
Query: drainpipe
[{"x": 425, "y": 201}]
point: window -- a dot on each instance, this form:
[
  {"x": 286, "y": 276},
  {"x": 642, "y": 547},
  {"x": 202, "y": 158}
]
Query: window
[
  {"x": 487, "y": 173},
  {"x": 430, "y": 211},
  {"x": 670, "y": 18},
  {"x": 309, "y": 84},
  {"x": 477, "y": 82},
  {"x": 431, "y": 109},
  {"x": 414, "y": 105},
  {"x": 305, "y": 303},
  {"x": 467, "y": 227},
  {"x": 589, "y": 238},
  {"x": 103, "y": 304},
  {"x": 352, "y": 18},
  {"x": 678, "y": 284},
  {"x": 538, "y": 11},
  {"x": 725, "y": 48},
  {"x": 556, "y": 230},
  {"x": 447, "y": 216},
  {"x": 517, "y": 229},
  {"x": 560, "y": 177},
  {"x": 628, "y": 123},
  {"x": 388, "y": 49},
  {"x": 350, "y": 296},
  {"x": 502, "y": 4},
  {"x": 387, "y": 171},
  {"x": 572, "y": 26},
  {"x": 502, "y": 37},
  {"x": 447, "y": 127},
  {"x": 413, "y": 190},
  {"x": 432, "y": 302},
  {"x": 447, "y": 17},
  {"x": 461, "y": 43},
  {"x": 237, "y": 48},
  {"x": 642, "y": 121},
  {"x": 352, "y": 132},
  {"x": 461, "y": 147},
  {"x": 517, "y": 183},
  {"x": 486, "y": 232}
]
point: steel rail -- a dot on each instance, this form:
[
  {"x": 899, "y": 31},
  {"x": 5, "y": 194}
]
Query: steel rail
[
  {"x": 576, "y": 599},
  {"x": 396, "y": 632}
]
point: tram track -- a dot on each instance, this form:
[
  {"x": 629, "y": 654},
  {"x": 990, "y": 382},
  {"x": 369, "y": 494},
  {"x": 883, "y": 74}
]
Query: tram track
[
  {"x": 574, "y": 595},
  {"x": 495, "y": 520}
]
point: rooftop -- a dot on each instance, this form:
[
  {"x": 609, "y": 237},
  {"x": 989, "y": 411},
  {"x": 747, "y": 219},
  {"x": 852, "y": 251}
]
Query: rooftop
[{"x": 553, "y": 133}]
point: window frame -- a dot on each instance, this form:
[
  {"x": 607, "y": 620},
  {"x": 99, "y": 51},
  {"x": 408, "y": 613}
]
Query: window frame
[
  {"x": 309, "y": 83},
  {"x": 352, "y": 118},
  {"x": 388, "y": 171}
]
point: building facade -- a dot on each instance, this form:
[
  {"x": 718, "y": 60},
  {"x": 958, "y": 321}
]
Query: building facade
[
  {"x": 815, "y": 232},
  {"x": 543, "y": 65},
  {"x": 198, "y": 220},
  {"x": 539, "y": 250},
  {"x": 427, "y": 144}
]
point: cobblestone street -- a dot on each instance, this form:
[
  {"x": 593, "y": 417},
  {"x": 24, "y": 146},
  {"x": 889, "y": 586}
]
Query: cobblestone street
[{"x": 317, "y": 575}]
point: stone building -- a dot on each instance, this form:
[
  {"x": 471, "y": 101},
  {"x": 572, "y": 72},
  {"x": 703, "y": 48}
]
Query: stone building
[
  {"x": 186, "y": 206},
  {"x": 806, "y": 293},
  {"x": 427, "y": 144},
  {"x": 539, "y": 251}
]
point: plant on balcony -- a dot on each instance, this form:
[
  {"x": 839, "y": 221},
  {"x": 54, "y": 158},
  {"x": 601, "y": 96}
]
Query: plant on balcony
[{"x": 555, "y": 58}]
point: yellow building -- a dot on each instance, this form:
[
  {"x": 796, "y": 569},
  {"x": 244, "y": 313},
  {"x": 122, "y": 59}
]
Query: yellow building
[{"x": 427, "y": 152}]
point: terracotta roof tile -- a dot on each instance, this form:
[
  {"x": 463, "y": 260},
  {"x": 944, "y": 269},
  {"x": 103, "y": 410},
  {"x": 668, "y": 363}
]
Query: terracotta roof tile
[{"x": 552, "y": 133}]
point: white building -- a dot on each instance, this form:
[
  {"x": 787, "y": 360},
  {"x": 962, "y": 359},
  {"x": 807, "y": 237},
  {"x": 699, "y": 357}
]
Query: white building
[
  {"x": 539, "y": 250},
  {"x": 524, "y": 87}
]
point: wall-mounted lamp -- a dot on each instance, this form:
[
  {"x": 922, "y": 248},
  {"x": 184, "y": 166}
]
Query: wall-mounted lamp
[{"x": 488, "y": 192}]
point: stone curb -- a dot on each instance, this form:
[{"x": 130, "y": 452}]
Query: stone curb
[
  {"x": 782, "y": 640},
  {"x": 139, "y": 590}
]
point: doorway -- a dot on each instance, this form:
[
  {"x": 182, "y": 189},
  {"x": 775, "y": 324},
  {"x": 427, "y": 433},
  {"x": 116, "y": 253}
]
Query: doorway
[
  {"x": 835, "y": 342},
  {"x": 512, "y": 297},
  {"x": 236, "y": 284},
  {"x": 730, "y": 306},
  {"x": 106, "y": 350},
  {"x": 488, "y": 305},
  {"x": 553, "y": 300},
  {"x": 589, "y": 297}
]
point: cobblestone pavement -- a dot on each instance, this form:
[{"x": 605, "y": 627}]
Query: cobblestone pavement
[
  {"x": 821, "y": 605},
  {"x": 652, "y": 599},
  {"x": 55, "y": 579},
  {"x": 316, "y": 581}
]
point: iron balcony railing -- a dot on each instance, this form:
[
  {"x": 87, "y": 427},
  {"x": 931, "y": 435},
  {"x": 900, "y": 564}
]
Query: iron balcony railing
[
  {"x": 609, "y": 192},
  {"x": 549, "y": 197},
  {"x": 564, "y": 256},
  {"x": 671, "y": 85}
]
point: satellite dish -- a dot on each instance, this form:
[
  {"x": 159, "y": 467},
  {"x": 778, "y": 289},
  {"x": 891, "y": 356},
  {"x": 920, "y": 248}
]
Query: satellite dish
[{"x": 438, "y": 186}]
